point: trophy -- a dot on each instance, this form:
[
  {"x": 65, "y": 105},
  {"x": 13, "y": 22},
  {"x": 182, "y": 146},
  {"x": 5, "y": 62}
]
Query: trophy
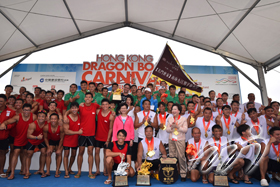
[
  {"x": 120, "y": 175},
  {"x": 168, "y": 173},
  {"x": 117, "y": 95},
  {"x": 143, "y": 177},
  {"x": 220, "y": 177}
]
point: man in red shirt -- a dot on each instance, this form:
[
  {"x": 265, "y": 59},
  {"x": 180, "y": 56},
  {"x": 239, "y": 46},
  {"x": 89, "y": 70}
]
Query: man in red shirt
[
  {"x": 37, "y": 92},
  {"x": 23, "y": 120},
  {"x": 53, "y": 137},
  {"x": 60, "y": 102},
  {"x": 103, "y": 133},
  {"x": 5, "y": 114},
  {"x": 88, "y": 116},
  {"x": 44, "y": 105},
  {"x": 35, "y": 138}
]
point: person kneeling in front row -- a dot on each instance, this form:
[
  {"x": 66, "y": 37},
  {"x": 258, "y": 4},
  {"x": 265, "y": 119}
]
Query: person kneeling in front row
[{"x": 115, "y": 153}]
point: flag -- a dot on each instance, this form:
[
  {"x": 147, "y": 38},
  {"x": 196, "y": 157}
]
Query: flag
[{"x": 170, "y": 70}]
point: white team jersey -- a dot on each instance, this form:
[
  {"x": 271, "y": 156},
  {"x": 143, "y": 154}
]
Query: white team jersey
[
  {"x": 257, "y": 106},
  {"x": 271, "y": 155},
  {"x": 213, "y": 102},
  {"x": 247, "y": 118},
  {"x": 214, "y": 115},
  {"x": 266, "y": 135},
  {"x": 262, "y": 128},
  {"x": 141, "y": 129},
  {"x": 231, "y": 127},
  {"x": 156, "y": 149},
  {"x": 238, "y": 117},
  {"x": 200, "y": 152},
  {"x": 199, "y": 124},
  {"x": 251, "y": 153},
  {"x": 162, "y": 134},
  {"x": 223, "y": 149},
  {"x": 189, "y": 132},
  {"x": 241, "y": 108}
]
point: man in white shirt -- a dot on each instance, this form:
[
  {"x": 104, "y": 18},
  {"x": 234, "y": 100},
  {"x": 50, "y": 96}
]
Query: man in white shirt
[{"x": 251, "y": 98}]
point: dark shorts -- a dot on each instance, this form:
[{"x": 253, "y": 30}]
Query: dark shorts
[
  {"x": 100, "y": 144},
  {"x": 4, "y": 144},
  {"x": 273, "y": 166},
  {"x": 20, "y": 147},
  {"x": 54, "y": 143},
  {"x": 155, "y": 163},
  {"x": 115, "y": 167},
  {"x": 68, "y": 148},
  {"x": 134, "y": 151},
  {"x": 29, "y": 146},
  {"x": 86, "y": 140},
  {"x": 11, "y": 140}
]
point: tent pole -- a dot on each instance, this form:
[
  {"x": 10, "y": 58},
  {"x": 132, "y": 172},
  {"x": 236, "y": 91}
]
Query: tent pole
[
  {"x": 240, "y": 71},
  {"x": 15, "y": 64},
  {"x": 262, "y": 85}
]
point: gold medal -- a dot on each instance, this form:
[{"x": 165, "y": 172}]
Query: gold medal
[
  {"x": 146, "y": 123},
  {"x": 228, "y": 132},
  {"x": 206, "y": 135},
  {"x": 175, "y": 132},
  {"x": 135, "y": 128},
  {"x": 278, "y": 159},
  {"x": 268, "y": 132},
  {"x": 163, "y": 128},
  {"x": 151, "y": 153}
]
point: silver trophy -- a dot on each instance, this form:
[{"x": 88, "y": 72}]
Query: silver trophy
[{"x": 121, "y": 169}]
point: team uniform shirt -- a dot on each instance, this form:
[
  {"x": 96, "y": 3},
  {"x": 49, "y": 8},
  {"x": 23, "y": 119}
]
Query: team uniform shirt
[
  {"x": 60, "y": 106},
  {"x": 45, "y": 105},
  {"x": 54, "y": 136},
  {"x": 199, "y": 124},
  {"x": 141, "y": 129},
  {"x": 231, "y": 127},
  {"x": 219, "y": 111},
  {"x": 139, "y": 101},
  {"x": 21, "y": 129},
  {"x": 257, "y": 106},
  {"x": 223, "y": 150},
  {"x": 262, "y": 127},
  {"x": 87, "y": 116},
  {"x": 103, "y": 126},
  {"x": 271, "y": 155},
  {"x": 214, "y": 115},
  {"x": 226, "y": 104},
  {"x": 200, "y": 152},
  {"x": 69, "y": 95},
  {"x": 213, "y": 102},
  {"x": 174, "y": 99},
  {"x": 237, "y": 116},
  {"x": 6, "y": 114},
  {"x": 72, "y": 140},
  {"x": 251, "y": 153},
  {"x": 241, "y": 108},
  {"x": 37, "y": 132},
  {"x": 247, "y": 118},
  {"x": 124, "y": 149},
  {"x": 266, "y": 135},
  {"x": 162, "y": 134},
  {"x": 153, "y": 106},
  {"x": 156, "y": 149},
  {"x": 189, "y": 132},
  {"x": 96, "y": 96}
]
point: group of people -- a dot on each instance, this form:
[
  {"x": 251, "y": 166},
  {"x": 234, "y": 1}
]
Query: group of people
[{"x": 144, "y": 125}]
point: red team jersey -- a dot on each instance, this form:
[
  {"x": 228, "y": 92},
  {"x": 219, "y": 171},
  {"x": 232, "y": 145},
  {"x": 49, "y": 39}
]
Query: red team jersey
[
  {"x": 21, "y": 129},
  {"x": 60, "y": 105},
  {"x": 72, "y": 140},
  {"x": 88, "y": 116},
  {"x": 103, "y": 126},
  {"x": 6, "y": 114},
  {"x": 37, "y": 132},
  {"x": 115, "y": 149},
  {"x": 54, "y": 136}
]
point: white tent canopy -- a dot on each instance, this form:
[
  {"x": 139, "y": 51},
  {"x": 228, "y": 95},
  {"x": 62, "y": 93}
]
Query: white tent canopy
[{"x": 243, "y": 30}]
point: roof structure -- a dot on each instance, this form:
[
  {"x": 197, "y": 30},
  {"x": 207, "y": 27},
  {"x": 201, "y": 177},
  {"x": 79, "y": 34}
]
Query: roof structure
[{"x": 243, "y": 30}]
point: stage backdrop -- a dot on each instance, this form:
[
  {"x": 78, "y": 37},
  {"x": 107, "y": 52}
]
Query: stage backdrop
[{"x": 60, "y": 76}]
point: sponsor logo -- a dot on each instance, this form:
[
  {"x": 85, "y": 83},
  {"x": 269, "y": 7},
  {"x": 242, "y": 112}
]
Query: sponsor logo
[
  {"x": 25, "y": 79},
  {"x": 42, "y": 80},
  {"x": 228, "y": 80}
]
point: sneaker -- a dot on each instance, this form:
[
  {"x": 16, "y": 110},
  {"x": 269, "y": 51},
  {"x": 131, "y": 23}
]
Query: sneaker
[{"x": 264, "y": 182}]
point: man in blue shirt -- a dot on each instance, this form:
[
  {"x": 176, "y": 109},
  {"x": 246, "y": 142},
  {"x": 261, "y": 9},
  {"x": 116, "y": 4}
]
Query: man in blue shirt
[{"x": 153, "y": 100}]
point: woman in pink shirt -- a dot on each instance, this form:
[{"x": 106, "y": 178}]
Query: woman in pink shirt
[{"x": 123, "y": 121}]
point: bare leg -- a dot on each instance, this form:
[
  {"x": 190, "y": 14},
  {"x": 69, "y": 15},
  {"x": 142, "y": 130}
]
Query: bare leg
[
  {"x": 49, "y": 159},
  {"x": 14, "y": 163},
  {"x": 194, "y": 175},
  {"x": 263, "y": 166},
  {"x": 97, "y": 160},
  {"x": 90, "y": 159},
  {"x": 58, "y": 161},
  {"x": 43, "y": 159},
  {"x": 2, "y": 160},
  {"x": 80, "y": 160},
  {"x": 72, "y": 159},
  {"x": 10, "y": 157},
  {"x": 28, "y": 163},
  {"x": 65, "y": 162},
  {"x": 110, "y": 164}
]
